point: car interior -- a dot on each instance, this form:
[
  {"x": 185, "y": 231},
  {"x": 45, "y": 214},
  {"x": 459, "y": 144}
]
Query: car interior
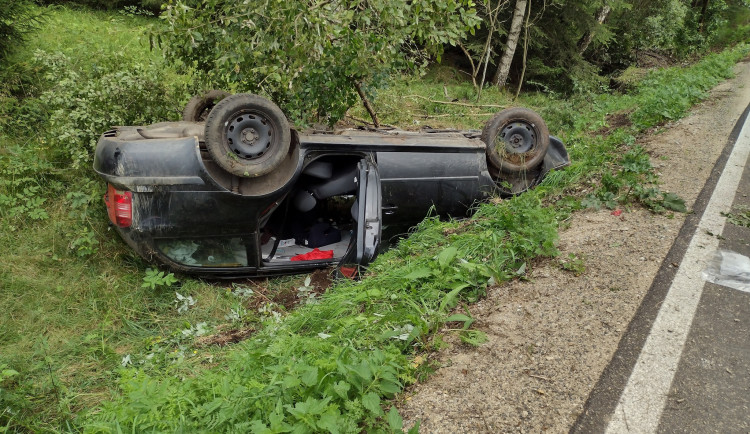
[{"x": 316, "y": 220}]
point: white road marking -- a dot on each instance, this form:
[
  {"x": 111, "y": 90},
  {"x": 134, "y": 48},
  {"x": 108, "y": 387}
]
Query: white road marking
[{"x": 642, "y": 402}]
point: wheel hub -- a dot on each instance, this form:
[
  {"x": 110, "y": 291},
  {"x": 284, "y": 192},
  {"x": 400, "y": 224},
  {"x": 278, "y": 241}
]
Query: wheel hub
[
  {"x": 517, "y": 138},
  {"x": 249, "y": 135}
]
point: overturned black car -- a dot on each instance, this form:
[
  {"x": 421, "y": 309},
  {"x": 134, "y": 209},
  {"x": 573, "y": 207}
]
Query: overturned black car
[{"x": 242, "y": 194}]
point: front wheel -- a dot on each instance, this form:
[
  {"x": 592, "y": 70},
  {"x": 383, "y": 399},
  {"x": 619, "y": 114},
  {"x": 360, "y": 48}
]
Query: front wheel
[
  {"x": 247, "y": 135},
  {"x": 517, "y": 140}
]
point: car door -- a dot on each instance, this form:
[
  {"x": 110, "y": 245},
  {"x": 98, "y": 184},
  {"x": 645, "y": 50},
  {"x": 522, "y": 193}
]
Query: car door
[{"x": 368, "y": 217}]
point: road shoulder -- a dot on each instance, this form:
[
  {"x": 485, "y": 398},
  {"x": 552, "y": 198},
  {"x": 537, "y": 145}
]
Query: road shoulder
[{"x": 551, "y": 338}]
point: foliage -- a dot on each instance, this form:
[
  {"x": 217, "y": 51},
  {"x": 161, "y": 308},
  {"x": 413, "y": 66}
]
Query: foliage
[
  {"x": 308, "y": 56},
  {"x": 17, "y": 19},
  {"x": 84, "y": 103},
  {"x": 556, "y": 57},
  {"x": 155, "y": 278},
  {"x": 354, "y": 338},
  {"x": 739, "y": 216},
  {"x": 631, "y": 183},
  {"x": 668, "y": 93},
  {"x": 64, "y": 274},
  {"x": 149, "y": 6},
  {"x": 574, "y": 264},
  {"x": 93, "y": 322}
]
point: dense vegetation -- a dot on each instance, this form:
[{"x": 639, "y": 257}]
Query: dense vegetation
[{"x": 88, "y": 322}]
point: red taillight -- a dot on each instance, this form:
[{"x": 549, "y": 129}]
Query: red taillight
[{"x": 119, "y": 206}]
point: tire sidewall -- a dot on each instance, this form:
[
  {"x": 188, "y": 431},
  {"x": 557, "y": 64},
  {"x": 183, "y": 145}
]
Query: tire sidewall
[
  {"x": 216, "y": 135},
  {"x": 197, "y": 104},
  {"x": 496, "y": 124}
]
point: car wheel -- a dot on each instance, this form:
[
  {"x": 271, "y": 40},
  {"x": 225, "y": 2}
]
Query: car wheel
[
  {"x": 517, "y": 140},
  {"x": 247, "y": 135},
  {"x": 199, "y": 106}
]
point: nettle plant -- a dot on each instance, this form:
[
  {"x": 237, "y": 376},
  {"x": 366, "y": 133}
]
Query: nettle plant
[{"x": 634, "y": 182}]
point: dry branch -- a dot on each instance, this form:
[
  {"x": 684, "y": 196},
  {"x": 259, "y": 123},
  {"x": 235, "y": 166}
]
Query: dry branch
[{"x": 463, "y": 104}]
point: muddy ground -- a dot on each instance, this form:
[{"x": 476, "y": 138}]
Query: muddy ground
[{"x": 551, "y": 337}]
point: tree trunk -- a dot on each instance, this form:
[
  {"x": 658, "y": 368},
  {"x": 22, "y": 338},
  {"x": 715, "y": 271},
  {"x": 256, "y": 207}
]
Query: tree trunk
[
  {"x": 703, "y": 16},
  {"x": 589, "y": 36},
  {"x": 503, "y": 67},
  {"x": 366, "y": 103}
]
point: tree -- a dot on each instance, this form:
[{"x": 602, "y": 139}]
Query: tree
[
  {"x": 601, "y": 16},
  {"x": 313, "y": 57},
  {"x": 503, "y": 67},
  {"x": 17, "y": 18}
]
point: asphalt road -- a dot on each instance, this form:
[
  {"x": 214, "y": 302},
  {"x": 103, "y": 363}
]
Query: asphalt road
[{"x": 684, "y": 363}]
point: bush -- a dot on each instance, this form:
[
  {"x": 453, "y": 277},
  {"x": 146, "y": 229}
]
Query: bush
[{"x": 85, "y": 103}]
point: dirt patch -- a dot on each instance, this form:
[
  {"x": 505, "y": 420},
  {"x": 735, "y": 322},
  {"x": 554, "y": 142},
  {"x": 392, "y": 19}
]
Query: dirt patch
[
  {"x": 225, "y": 337},
  {"x": 551, "y": 337},
  {"x": 654, "y": 59},
  {"x": 321, "y": 280},
  {"x": 614, "y": 121},
  {"x": 288, "y": 297}
]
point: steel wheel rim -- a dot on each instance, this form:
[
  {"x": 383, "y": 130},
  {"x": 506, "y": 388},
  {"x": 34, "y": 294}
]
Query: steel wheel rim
[
  {"x": 249, "y": 135},
  {"x": 516, "y": 138}
]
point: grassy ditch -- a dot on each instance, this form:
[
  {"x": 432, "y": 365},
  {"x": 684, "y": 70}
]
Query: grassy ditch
[
  {"x": 334, "y": 364},
  {"x": 87, "y": 322}
]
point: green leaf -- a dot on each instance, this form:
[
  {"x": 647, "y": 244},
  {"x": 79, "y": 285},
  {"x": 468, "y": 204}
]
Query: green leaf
[
  {"x": 290, "y": 382},
  {"x": 415, "y": 428},
  {"x": 330, "y": 421},
  {"x": 310, "y": 377},
  {"x": 389, "y": 387},
  {"x": 395, "y": 422},
  {"x": 447, "y": 256},
  {"x": 342, "y": 389},
  {"x": 7, "y": 373},
  {"x": 474, "y": 337},
  {"x": 673, "y": 202},
  {"x": 419, "y": 273},
  {"x": 371, "y": 401},
  {"x": 363, "y": 370},
  {"x": 467, "y": 320},
  {"x": 449, "y": 301}
]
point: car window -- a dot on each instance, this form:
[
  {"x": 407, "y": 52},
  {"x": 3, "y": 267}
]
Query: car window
[{"x": 205, "y": 252}]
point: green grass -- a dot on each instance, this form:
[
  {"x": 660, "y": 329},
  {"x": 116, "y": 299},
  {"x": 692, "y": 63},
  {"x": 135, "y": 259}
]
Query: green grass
[
  {"x": 73, "y": 316},
  {"x": 84, "y": 34}
]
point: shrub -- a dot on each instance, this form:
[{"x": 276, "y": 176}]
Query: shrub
[{"x": 85, "y": 103}]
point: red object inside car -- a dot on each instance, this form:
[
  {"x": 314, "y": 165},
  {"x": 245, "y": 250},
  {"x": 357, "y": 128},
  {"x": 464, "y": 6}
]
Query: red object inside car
[{"x": 315, "y": 254}]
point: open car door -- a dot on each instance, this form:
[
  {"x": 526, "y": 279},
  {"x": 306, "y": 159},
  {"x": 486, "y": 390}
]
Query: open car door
[{"x": 367, "y": 214}]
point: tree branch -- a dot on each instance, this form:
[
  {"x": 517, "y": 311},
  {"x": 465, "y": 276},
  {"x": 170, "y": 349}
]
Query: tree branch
[
  {"x": 366, "y": 103},
  {"x": 463, "y": 104}
]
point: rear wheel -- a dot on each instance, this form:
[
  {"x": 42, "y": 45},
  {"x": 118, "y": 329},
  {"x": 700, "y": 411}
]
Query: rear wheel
[
  {"x": 517, "y": 140},
  {"x": 247, "y": 135},
  {"x": 199, "y": 106}
]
